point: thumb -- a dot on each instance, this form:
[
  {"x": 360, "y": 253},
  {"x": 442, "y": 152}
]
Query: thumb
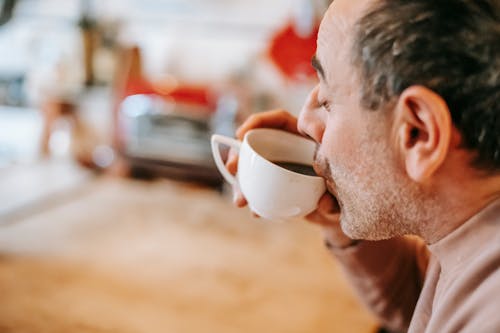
[{"x": 328, "y": 205}]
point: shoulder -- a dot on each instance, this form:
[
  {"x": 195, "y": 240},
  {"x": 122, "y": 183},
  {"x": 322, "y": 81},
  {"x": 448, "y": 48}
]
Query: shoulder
[
  {"x": 479, "y": 310},
  {"x": 470, "y": 301}
]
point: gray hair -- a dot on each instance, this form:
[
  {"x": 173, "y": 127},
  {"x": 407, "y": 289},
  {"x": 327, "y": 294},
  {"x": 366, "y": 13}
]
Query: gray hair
[{"x": 449, "y": 46}]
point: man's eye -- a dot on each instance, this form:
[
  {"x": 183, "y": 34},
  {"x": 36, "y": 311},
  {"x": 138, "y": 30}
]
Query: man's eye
[{"x": 325, "y": 105}]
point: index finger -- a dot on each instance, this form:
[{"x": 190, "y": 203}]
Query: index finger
[{"x": 279, "y": 119}]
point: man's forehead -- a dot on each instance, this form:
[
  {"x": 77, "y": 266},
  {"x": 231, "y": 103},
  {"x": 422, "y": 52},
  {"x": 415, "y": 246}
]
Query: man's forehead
[
  {"x": 342, "y": 15},
  {"x": 337, "y": 28}
]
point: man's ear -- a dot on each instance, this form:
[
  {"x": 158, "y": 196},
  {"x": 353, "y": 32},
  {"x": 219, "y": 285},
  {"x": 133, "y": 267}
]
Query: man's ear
[{"x": 423, "y": 127}]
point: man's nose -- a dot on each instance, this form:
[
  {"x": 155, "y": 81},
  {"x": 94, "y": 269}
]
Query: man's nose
[{"x": 311, "y": 122}]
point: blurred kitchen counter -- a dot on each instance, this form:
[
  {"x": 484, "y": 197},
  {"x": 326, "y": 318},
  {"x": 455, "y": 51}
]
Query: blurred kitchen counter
[
  {"x": 28, "y": 188},
  {"x": 165, "y": 256}
]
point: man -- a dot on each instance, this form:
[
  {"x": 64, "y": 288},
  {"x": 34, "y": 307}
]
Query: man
[{"x": 407, "y": 120}]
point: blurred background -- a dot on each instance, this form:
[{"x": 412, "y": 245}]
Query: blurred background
[{"x": 113, "y": 217}]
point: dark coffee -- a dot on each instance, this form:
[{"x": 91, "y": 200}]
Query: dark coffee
[{"x": 304, "y": 169}]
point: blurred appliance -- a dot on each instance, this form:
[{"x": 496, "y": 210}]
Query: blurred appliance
[{"x": 161, "y": 137}]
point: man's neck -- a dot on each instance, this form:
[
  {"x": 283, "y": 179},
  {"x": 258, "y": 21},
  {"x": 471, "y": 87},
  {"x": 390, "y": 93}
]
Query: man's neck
[{"x": 458, "y": 203}]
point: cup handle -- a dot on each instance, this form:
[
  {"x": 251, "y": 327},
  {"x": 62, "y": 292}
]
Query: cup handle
[{"x": 216, "y": 141}]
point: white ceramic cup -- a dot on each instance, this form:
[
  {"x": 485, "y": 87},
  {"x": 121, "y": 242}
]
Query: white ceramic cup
[{"x": 272, "y": 191}]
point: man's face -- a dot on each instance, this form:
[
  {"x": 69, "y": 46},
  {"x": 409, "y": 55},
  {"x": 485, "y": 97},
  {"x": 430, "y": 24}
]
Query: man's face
[{"x": 356, "y": 153}]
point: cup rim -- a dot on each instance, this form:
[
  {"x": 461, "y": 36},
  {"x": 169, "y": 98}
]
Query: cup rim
[{"x": 267, "y": 161}]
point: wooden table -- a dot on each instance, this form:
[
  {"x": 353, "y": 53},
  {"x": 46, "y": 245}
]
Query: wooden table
[{"x": 163, "y": 256}]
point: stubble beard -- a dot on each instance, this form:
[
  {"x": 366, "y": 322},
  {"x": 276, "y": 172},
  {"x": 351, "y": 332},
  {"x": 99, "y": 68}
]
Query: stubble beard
[{"x": 376, "y": 200}]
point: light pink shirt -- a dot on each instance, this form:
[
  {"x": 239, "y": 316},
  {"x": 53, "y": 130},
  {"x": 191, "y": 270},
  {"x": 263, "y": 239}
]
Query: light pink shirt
[{"x": 450, "y": 286}]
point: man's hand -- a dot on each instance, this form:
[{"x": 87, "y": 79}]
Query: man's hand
[
  {"x": 279, "y": 119},
  {"x": 327, "y": 215}
]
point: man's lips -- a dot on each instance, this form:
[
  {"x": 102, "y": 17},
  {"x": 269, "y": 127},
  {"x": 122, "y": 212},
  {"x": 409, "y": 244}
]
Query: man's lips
[
  {"x": 330, "y": 184},
  {"x": 317, "y": 166},
  {"x": 320, "y": 166}
]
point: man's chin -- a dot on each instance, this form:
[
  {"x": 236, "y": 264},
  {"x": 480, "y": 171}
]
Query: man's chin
[
  {"x": 348, "y": 230},
  {"x": 360, "y": 232},
  {"x": 355, "y": 230}
]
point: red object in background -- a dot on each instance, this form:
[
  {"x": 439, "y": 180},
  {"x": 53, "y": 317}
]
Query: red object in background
[
  {"x": 184, "y": 94},
  {"x": 135, "y": 86},
  {"x": 292, "y": 53},
  {"x": 197, "y": 95}
]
